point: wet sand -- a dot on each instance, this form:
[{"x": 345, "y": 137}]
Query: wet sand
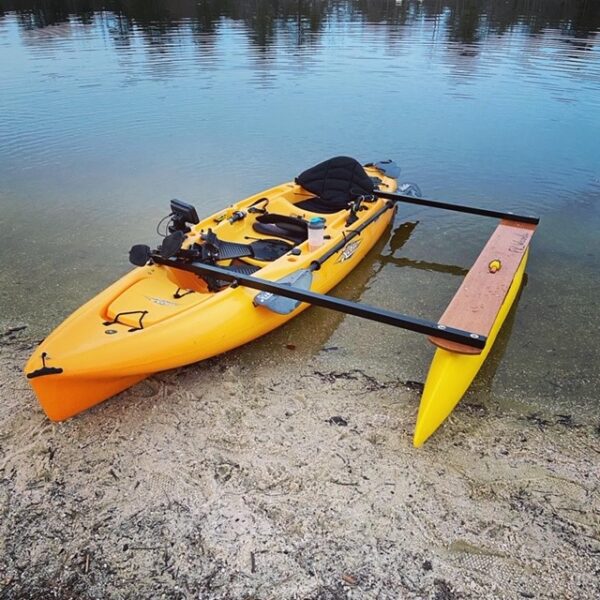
[{"x": 236, "y": 479}]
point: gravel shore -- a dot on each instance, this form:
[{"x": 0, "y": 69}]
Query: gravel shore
[{"x": 236, "y": 479}]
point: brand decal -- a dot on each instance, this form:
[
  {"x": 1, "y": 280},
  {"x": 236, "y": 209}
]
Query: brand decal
[
  {"x": 263, "y": 297},
  {"x": 161, "y": 301},
  {"x": 349, "y": 251}
]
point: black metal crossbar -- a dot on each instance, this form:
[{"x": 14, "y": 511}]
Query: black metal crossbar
[
  {"x": 345, "y": 306},
  {"x": 484, "y": 212}
]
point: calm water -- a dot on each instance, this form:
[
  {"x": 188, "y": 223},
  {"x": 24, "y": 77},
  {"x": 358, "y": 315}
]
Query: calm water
[{"x": 108, "y": 110}]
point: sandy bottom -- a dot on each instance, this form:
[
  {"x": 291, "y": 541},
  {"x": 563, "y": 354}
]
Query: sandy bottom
[{"x": 235, "y": 479}]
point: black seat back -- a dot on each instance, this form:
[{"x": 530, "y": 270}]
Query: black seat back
[{"x": 336, "y": 182}]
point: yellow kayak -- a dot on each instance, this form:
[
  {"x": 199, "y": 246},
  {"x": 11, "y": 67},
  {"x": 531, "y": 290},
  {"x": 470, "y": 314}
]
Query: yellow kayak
[
  {"x": 158, "y": 317},
  {"x": 217, "y": 283}
]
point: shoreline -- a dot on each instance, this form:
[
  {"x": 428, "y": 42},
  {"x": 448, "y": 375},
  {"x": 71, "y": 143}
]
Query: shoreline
[{"x": 231, "y": 479}]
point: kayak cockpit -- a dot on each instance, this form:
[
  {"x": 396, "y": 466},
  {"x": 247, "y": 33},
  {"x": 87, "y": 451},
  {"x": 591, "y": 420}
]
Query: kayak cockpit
[{"x": 245, "y": 239}]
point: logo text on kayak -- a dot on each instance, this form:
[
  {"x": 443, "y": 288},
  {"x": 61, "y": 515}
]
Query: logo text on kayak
[
  {"x": 161, "y": 301},
  {"x": 349, "y": 250}
]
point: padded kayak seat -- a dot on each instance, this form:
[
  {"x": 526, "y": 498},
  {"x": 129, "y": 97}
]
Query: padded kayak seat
[
  {"x": 336, "y": 183},
  {"x": 318, "y": 205}
]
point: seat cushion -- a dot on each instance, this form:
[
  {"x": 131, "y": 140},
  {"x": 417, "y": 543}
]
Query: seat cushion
[
  {"x": 336, "y": 182},
  {"x": 318, "y": 205}
]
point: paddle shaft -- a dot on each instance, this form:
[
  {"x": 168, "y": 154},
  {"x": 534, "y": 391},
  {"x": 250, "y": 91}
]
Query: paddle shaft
[
  {"x": 484, "y": 212},
  {"x": 345, "y": 306}
]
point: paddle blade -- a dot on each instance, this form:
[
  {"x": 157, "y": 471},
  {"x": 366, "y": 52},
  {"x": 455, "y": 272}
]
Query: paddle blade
[{"x": 279, "y": 304}]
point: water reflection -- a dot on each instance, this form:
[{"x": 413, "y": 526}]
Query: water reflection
[
  {"x": 299, "y": 20},
  {"x": 298, "y": 27},
  {"x": 400, "y": 237}
]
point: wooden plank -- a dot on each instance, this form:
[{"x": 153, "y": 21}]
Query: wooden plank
[{"x": 477, "y": 302}]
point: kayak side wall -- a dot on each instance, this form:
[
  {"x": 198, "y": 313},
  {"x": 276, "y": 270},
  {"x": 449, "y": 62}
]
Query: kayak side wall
[
  {"x": 221, "y": 323},
  {"x": 62, "y": 397}
]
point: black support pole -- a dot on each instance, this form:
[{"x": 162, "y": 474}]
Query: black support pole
[
  {"x": 484, "y": 212},
  {"x": 351, "y": 308}
]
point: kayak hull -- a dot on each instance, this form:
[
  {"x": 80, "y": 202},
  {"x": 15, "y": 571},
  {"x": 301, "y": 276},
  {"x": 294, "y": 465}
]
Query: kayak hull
[
  {"x": 63, "y": 397},
  {"x": 144, "y": 323}
]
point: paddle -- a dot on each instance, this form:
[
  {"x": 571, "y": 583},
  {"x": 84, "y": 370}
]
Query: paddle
[{"x": 345, "y": 306}]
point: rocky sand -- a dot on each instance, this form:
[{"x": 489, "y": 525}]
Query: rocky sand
[{"x": 238, "y": 479}]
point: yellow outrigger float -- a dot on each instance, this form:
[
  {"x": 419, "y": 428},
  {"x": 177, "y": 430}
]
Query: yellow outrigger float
[
  {"x": 481, "y": 304},
  {"x": 207, "y": 289}
]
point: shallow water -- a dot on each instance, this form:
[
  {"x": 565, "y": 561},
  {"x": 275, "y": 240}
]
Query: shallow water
[{"x": 108, "y": 110}]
